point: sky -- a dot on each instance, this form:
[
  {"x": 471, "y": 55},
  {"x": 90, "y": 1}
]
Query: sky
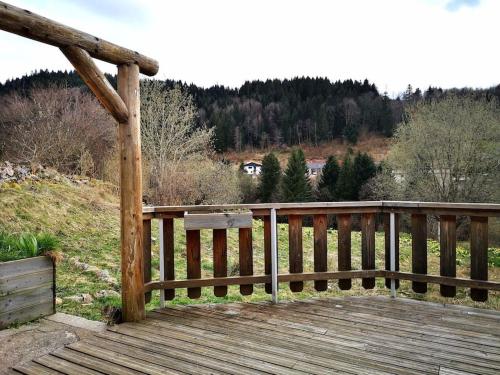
[{"x": 392, "y": 43}]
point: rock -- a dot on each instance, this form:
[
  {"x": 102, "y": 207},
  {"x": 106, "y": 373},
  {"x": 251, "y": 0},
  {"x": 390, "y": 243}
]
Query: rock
[
  {"x": 76, "y": 298},
  {"x": 59, "y": 301},
  {"x": 106, "y": 293},
  {"x": 87, "y": 298}
]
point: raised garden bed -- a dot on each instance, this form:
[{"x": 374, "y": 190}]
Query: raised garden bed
[{"x": 27, "y": 290}]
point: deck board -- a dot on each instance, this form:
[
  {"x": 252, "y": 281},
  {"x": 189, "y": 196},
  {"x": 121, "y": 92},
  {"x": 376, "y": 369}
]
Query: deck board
[{"x": 351, "y": 335}]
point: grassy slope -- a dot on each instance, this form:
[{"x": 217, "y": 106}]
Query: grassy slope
[{"x": 85, "y": 219}]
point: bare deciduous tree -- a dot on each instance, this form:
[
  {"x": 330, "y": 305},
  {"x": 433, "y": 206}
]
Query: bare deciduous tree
[
  {"x": 61, "y": 127},
  {"x": 178, "y": 156},
  {"x": 447, "y": 150}
]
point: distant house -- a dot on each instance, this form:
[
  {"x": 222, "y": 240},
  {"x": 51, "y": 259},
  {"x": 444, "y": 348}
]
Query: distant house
[
  {"x": 252, "y": 168},
  {"x": 314, "y": 167}
]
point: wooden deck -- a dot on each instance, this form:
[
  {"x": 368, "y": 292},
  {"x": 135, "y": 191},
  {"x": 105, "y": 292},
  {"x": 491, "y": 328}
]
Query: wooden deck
[{"x": 355, "y": 335}]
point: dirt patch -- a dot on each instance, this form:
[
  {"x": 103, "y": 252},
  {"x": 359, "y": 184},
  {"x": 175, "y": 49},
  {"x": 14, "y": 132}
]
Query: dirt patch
[{"x": 19, "y": 345}]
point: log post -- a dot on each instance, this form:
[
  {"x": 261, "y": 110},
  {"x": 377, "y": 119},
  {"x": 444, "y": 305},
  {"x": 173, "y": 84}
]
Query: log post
[{"x": 129, "y": 136}]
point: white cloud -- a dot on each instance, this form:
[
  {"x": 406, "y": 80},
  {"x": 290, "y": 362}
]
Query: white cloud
[{"x": 390, "y": 42}]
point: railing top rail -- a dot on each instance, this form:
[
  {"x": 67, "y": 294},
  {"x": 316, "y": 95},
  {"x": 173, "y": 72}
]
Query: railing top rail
[{"x": 489, "y": 209}]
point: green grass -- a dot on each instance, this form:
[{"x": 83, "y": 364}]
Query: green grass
[{"x": 85, "y": 221}]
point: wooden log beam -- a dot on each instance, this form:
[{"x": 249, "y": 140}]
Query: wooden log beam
[
  {"x": 129, "y": 136},
  {"x": 97, "y": 82},
  {"x": 30, "y": 25}
]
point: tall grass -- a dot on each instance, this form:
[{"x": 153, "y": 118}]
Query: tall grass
[{"x": 25, "y": 245}]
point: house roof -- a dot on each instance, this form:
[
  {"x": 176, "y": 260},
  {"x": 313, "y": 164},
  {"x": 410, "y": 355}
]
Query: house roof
[{"x": 252, "y": 163}]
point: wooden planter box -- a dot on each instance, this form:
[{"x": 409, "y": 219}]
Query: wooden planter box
[{"x": 27, "y": 290}]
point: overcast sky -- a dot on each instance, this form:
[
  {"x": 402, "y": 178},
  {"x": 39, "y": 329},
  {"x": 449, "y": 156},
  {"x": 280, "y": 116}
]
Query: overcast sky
[{"x": 446, "y": 43}]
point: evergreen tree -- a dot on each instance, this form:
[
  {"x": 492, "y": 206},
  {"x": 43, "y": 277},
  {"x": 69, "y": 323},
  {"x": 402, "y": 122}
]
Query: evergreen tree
[
  {"x": 296, "y": 185},
  {"x": 328, "y": 181},
  {"x": 364, "y": 168},
  {"x": 269, "y": 179},
  {"x": 346, "y": 183}
]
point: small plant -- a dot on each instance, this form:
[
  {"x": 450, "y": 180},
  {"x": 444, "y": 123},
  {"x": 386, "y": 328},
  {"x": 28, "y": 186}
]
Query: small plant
[{"x": 27, "y": 245}]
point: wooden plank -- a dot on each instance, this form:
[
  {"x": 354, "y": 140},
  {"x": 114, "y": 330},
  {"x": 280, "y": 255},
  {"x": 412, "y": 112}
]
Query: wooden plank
[
  {"x": 63, "y": 366},
  {"x": 129, "y": 135},
  {"x": 33, "y": 26},
  {"x": 24, "y": 266},
  {"x": 168, "y": 256},
  {"x": 28, "y": 312},
  {"x": 93, "y": 363},
  {"x": 193, "y": 258},
  {"x": 448, "y": 257},
  {"x": 387, "y": 243},
  {"x": 146, "y": 245},
  {"x": 267, "y": 251},
  {"x": 220, "y": 259},
  {"x": 295, "y": 250},
  {"x": 320, "y": 249},
  {"x": 246, "y": 258},
  {"x": 19, "y": 282},
  {"x": 26, "y": 298},
  {"x": 479, "y": 255},
  {"x": 224, "y": 220},
  {"x": 419, "y": 250},
  {"x": 96, "y": 81},
  {"x": 368, "y": 247},
  {"x": 33, "y": 368},
  {"x": 344, "y": 246},
  {"x": 445, "y": 280},
  {"x": 294, "y": 277}
]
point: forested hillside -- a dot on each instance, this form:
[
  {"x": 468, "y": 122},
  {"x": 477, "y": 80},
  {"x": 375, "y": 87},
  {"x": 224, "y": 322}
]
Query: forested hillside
[{"x": 276, "y": 113}]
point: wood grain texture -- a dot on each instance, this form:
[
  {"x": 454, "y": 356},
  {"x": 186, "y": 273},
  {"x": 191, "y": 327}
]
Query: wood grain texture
[
  {"x": 387, "y": 244},
  {"x": 129, "y": 136},
  {"x": 220, "y": 259},
  {"x": 368, "y": 247},
  {"x": 27, "y": 290},
  {"x": 217, "y": 221},
  {"x": 344, "y": 248},
  {"x": 267, "y": 251},
  {"x": 354, "y": 335},
  {"x": 419, "y": 250},
  {"x": 146, "y": 245},
  {"x": 97, "y": 82},
  {"x": 193, "y": 258},
  {"x": 448, "y": 255},
  {"x": 320, "y": 249},
  {"x": 295, "y": 250},
  {"x": 479, "y": 255},
  {"x": 168, "y": 256},
  {"x": 36, "y": 27},
  {"x": 246, "y": 258}
]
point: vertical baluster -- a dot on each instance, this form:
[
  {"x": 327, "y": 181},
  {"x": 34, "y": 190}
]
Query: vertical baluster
[
  {"x": 246, "y": 258},
  {"x": 448, "y": 258},
  {"x": 320, "y": 250},
  {"x": 267, "y": 251},
  {"x": 168, "y": 255},
  {"x": 368, "y": 247},
  {"x": 387, "y": 232},
  {"x": 344, "y": 245},
  {"x": 295, "y": 250},
  {"x": 419, "y": 250},
  {"x": 479, "y": 255},
  {"x": 146, "y": 247},
  {"x": 193, "y": 260},
  {"x": 220, "y": 259}
]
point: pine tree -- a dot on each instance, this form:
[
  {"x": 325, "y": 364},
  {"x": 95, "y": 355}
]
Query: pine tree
[
  {"x": 328, "y": 181},
  {"x": 346, "y": 183},
  {"x": 296, "y": 185},
  {"x": 363, "y": 169},
  {"x": 269, "y": 179}
]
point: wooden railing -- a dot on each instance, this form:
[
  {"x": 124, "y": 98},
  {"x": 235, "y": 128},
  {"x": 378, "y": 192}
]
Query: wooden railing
[{"x": 391, "y": 212}]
